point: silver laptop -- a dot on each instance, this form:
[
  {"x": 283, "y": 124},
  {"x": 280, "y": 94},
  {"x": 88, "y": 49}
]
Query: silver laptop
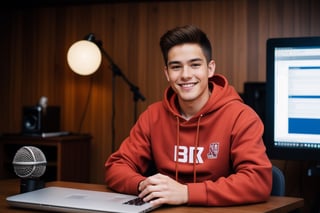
[{"x": 62, "y": 199}]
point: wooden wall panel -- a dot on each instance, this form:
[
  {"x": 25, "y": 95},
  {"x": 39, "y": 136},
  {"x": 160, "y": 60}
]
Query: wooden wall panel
[{"x": 35, "y": 41}]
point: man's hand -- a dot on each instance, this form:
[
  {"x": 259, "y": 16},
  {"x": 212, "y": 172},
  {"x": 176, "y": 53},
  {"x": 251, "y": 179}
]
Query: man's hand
[{"x": 160, "y": 189}]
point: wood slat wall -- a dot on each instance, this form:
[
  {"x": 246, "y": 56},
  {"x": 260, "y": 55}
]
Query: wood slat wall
[{"x": 35, "y": 41}]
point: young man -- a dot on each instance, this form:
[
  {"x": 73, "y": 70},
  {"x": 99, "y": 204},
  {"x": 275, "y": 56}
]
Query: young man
[{"x": 199, "y": 146}]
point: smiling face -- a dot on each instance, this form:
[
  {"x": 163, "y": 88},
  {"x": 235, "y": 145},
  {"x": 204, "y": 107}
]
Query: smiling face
[{"x": 188, "y": 71}]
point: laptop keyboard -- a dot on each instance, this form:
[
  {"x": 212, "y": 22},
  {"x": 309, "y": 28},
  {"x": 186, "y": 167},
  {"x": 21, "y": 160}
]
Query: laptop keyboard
[{"x": 136, "y": 202}]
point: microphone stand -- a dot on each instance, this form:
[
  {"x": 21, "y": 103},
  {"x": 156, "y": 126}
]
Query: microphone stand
[{"x": 116, "y": 71}]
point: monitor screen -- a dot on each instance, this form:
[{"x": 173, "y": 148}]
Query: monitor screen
[{"x": 292, "y": 127}]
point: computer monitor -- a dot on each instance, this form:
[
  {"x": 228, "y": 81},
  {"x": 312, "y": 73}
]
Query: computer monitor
[{"x": 292, "y": 123}]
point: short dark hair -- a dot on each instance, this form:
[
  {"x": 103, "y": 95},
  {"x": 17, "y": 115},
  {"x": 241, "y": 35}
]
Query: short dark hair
[{"x": 185, "y": 34}]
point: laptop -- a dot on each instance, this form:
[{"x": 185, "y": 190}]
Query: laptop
[{"x": 63, "y": 199}]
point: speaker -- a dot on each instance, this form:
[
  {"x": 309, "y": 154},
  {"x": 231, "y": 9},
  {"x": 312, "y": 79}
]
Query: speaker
[
  {"x": 255, "y": 96},
  {"x": 36, "y": 119}
]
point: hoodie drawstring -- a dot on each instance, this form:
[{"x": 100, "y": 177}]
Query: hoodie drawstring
[
  {"x": 194, "y": 151},
  {"x": 178, "y": 144}
]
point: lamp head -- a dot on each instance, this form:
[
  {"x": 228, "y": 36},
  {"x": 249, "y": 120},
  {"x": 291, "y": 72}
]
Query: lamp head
[{"x": 84, "y": 57}]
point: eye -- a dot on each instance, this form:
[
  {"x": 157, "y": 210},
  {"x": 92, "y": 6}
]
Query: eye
[
  {"x": 195, "y": 65},
  {"x": 175, "y": 67}
]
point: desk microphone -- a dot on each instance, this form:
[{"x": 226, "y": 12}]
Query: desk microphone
[
  {"x": 29, "y": 163},
  {"x": 43, "y": 103}
]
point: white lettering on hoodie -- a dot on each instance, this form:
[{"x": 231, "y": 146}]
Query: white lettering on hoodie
[{"x": 184, "y": 154}]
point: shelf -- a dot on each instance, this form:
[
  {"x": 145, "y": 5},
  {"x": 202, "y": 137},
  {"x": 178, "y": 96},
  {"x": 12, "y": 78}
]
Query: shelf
[{"x": 67, "y": 157}]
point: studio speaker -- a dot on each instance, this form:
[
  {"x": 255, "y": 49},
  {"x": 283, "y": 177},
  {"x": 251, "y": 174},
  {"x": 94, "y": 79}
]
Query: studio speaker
[
  {"x": 36, "y": 119},
  {"x": 255, "y": 97}
]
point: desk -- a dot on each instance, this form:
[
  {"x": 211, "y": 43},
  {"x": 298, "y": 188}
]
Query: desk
[{"x": 274, "y": 205}]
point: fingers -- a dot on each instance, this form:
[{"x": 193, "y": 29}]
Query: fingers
[
  {"x": 152, "y": 180},
  {"x": 152, "y": 184},
  {"x": 161, "y": 189},
  {"x": 152, "y": 191}
]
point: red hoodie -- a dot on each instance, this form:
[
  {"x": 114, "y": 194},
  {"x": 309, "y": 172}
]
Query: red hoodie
[{"x": 219, "y": 153}]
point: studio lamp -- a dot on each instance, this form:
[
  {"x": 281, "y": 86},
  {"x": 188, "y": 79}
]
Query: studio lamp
[{"x": 84, "y": 58}]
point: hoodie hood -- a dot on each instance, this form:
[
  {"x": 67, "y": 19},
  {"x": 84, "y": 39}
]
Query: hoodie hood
[{"x": 222, "y": 93}]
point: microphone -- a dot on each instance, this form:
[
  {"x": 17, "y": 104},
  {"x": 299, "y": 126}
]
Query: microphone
[
  {"x": 29, "y": 163},
  {"x": 43, "y": 103}
]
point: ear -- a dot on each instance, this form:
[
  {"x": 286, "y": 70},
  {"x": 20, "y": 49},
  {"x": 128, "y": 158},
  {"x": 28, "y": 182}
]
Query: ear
[
  {"x": 165, "y": 70},
  {"x": 211, "y": 68}
]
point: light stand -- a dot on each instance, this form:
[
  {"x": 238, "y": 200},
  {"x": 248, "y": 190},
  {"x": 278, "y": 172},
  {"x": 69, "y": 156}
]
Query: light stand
[{"x": 116, "y": 71}]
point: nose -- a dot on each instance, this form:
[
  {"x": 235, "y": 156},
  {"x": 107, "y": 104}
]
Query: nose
[{"x": 186, "y": 72}]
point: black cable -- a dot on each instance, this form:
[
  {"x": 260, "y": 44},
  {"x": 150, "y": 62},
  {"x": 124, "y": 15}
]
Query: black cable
[{"x": 86, "y": 105}]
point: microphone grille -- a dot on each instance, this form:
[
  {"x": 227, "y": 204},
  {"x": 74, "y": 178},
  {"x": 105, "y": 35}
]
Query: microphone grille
[{"x": 29, "y": 162}]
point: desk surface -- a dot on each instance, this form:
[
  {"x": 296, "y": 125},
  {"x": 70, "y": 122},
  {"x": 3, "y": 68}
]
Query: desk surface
[{"x": 275, "y": 204}]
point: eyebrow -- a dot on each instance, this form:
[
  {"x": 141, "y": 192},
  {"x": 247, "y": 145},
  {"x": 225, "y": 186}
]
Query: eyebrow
[{"x": 192, "y": 60}]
